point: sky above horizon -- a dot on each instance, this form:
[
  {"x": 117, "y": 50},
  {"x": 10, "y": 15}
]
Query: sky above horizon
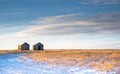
[{"x": 60, "y": 24}]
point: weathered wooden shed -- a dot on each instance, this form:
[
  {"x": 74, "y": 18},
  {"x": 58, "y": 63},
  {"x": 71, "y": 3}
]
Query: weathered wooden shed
[
  {"x": 38, "y": 46},
  {"x": 24, "y": 46}
]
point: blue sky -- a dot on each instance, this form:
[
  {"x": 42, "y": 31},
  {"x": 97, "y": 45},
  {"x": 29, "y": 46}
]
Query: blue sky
[{"x": 60, "y": 24}]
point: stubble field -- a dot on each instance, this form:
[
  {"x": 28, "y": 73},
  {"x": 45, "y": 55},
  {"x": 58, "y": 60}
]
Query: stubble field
[
  {"x": 104, "y": 60},
  {"x": 60, "y": 61}
]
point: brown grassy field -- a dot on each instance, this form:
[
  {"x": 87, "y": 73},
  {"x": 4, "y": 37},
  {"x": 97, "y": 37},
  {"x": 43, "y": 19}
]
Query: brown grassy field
[
  {"x": 98, "y": 59},
  {"x": 8, "y": 51},
  {"x": 15, "y": 51}
]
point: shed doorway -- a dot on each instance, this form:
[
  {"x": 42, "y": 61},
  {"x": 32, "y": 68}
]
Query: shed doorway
[{"x": 39, "y": 47}]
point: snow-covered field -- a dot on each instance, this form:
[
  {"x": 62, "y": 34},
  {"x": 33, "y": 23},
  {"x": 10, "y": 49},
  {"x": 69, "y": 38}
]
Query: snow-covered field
[{"x": 13, "y": 64}]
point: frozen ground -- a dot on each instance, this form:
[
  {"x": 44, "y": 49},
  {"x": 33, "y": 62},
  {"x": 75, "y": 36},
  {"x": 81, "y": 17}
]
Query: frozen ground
[{"x": 12, "y": 64}]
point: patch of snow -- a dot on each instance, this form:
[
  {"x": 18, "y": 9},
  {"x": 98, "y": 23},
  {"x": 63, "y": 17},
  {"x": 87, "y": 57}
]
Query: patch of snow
[{"x": 12, "y": 64}]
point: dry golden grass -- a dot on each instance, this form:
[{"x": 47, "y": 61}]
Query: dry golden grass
[
  {"x": 99, "y": 59},
  {"x": 8, "y": 51},
  {"x": 14, "y": 51}
]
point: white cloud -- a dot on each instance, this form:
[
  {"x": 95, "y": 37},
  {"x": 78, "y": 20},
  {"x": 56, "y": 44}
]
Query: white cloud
[
  {"x": 65, "y": 25},
  {"x": 54, "y": 19},
  {"x": 56, "y": 25}
]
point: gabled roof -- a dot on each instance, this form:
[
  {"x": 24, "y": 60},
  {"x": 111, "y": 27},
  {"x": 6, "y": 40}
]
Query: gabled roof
[
  {"x": 25, "y": 43},
  {"x": 39, "y": 43}
]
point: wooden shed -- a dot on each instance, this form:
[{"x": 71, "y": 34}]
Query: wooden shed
[
  {"x": 24, "y": 46},
  {"x": 38, "y": 46}
]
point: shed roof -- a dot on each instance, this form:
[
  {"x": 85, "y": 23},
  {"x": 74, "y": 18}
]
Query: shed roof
[
  {"x": 39, "y": 43},
  {"x": 25, "y": 43}
]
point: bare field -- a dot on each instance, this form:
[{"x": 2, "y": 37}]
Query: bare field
[
  {"x": 8, "y": 51},
  {"x": 104, "y": 60},
  {"x": 99, "y": 59},
  {"x": 15, "y": 51}
]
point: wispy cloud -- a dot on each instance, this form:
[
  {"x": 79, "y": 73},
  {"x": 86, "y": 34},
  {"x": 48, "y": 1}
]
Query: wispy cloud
[
  {"x": 66, "y": 25},
  {"x": 55, "y": 19},
  {"x": 100, "y": 2},
  {"x": 72, "y": 24}
]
